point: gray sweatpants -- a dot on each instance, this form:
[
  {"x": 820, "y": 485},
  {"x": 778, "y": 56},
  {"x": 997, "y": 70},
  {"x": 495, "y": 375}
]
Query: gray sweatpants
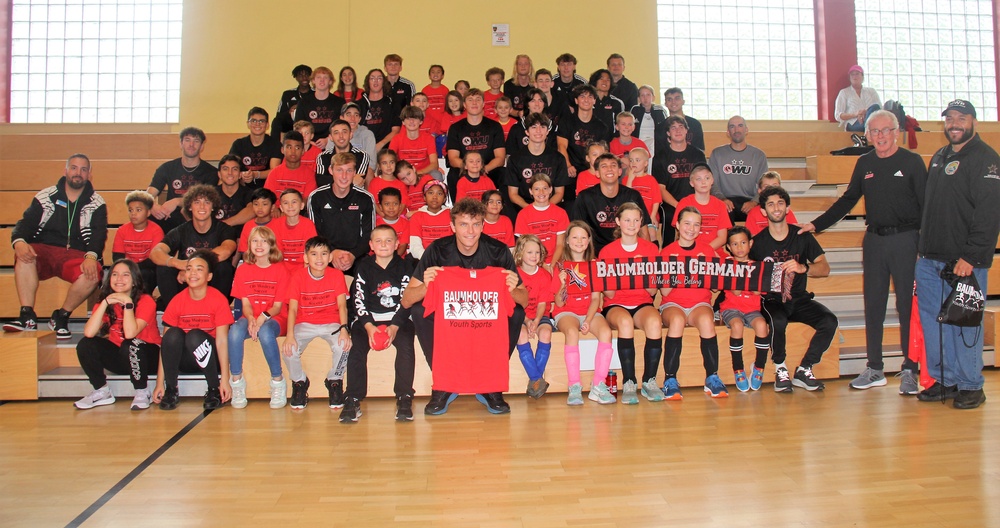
[{"x": 304, "y": 334}]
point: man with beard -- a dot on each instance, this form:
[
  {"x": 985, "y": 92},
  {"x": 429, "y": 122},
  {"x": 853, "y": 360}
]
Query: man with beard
[
  {"x": 61, "y": 234},
  {"x": 176, "y": 176},
  {"x": 737, "y": 167},
  {"x": 959, "y": 229}
]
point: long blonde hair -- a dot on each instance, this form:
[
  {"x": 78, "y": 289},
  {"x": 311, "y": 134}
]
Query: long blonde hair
[
  {"x": 274, "y": 256},
  {"x": 522, "y": 241}
]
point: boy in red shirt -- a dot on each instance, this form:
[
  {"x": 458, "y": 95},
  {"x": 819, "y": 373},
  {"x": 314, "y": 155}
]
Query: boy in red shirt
[
  {"x": 415, "y": 146},
  {"x": 292, "y": 174},
  {"x": 136, "y": 239},
  {"x": 435, "y": 91},
  {"x": 390, "y": 201},
  {"x": 740, "y": 309},
  {"x": 317, "y": 307},
  {"x": 494, "y": 78},
  {"x": 621, "y": 145},
  {"x": 715, "y": 220},
  {"x": 292, "y": 230},
  {"x": 262, "y": 201},
  {"x": 503, "y": 108},
  {"x": 432, "y": 118},
  {"x": 588, "y": 178},
  {"x": 309, "y": 156}
]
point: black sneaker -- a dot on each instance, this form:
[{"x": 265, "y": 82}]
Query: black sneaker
[
  {"x": 213, "y": 398},
  {"x": 440, "y": 400},
  {"x": 170, "y": 398},
  {"x": 858, "y": 140},
  {"x": 404, "y": 408},
  {"x": 336, "y": 388},
  {"x": 937, "y": 392},
  {"x": 351, "y": 412},
  {"x": 60, "y": 323},
  {"x": 26, "y": 321},
  {"x": 494, "y": 402},
  {"x": 969, "y": 399},
  {"x": 804, "y": 378},
  {"x": 300, "y": 394},
  {"x": 782, "y": 381}
]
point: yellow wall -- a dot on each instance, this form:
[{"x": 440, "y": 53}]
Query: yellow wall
[{"x": 240, "y": 53}]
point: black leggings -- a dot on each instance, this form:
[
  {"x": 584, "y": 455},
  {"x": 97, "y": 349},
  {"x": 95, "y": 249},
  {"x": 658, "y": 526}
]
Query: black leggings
[
  {"x": 189, "y": 352},
  {"x": 357, "y": 362},
  {"x": 134, "y": 357}
]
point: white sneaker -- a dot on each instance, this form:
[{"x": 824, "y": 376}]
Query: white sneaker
[
  {"x": 101, "y": 396},
  {"x": 600, "y": 394},
  {"x": 239, "y": 387},
  {"x": 141, "y": 400},
  {"x": 279, "y": 394}
]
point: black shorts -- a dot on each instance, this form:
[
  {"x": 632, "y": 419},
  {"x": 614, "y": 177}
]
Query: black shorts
[{"x": 631, "y": 311}]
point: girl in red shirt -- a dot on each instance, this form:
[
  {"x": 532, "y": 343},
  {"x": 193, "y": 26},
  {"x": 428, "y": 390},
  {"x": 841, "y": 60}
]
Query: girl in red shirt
[
  {"x": 689, "y": 306},
  {"x": 528, "y": 255},
  {"x": 454, "y": 110},
  {"x": 347, "y": 85},
  {"x": 385, "y": 176},
  {"x": 473, "y": 183},
  {"x": 414, "y": 194},
  {"x": 495, "y": 224},
  {"x": 627, "y": 310},
  {"x": 259, "y": 285},
  {"x": 576, "y": 313},
  {"x": 432, "y": 221},
  {"x": 120, "y": 336}
]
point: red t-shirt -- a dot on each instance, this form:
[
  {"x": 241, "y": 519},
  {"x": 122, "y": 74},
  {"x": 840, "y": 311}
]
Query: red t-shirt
[
  {"x": 714, "y": 217},
  {"x": 292, "y": 240},
  {"x": 432, "y": 123},
  {"x": 621, "y": 151},
  {"x": 145, "y": 310},
  {"x": 547, "y": 224},
  {"x": 757, "y": 222},
  {"x": 401, "y": 226},
  {"x": 466, "y": 188},
  {"x": 415, "y": 194},
  {"x": 309, "y": 160},
  {"x": 436, "y": 97},
  {"x": 472, "y": 306},
  {"x": 415, "y": 151},
  {"x": 745, "y": 302},
  {"x": 614, "y": 250},
  {"x": 687, "y": 297},
  {"x": 586, "y": 180},
  {"x": 578, "y": 293},
  {"x": 539, "y": 285},
  {"x": 649, "y": 189},
  {"x": 429, "y": 227},
  {"x": 378, "y": 183},
  {"x": 244, "y": 243},
  {"x": 317, "y": 298},
  {"x": 207, "y": 314},
  {"x": 490, "y": 104},
  {"x": 136, "y": 245},
  {"x": 301, "y": 179},
  {"x": 501, "y": 230},
  {"x": 262, "y": 287},
  {"x": 507, "y": 126},
  {"x": 447, "y": 119}
]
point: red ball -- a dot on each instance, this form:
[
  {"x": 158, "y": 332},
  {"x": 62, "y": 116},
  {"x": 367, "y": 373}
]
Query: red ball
[{"x": 381, "y": 338}]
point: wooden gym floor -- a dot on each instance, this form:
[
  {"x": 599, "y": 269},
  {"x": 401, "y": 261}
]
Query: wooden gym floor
[{"x": 833, "y": 458}]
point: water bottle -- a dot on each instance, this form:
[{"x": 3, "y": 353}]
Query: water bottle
[{"x": 612, "y": 382}]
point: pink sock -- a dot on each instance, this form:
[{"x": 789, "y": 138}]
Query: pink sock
[
  {"x": 572, "y": 356},
  {"x": 602, "y": 361}
]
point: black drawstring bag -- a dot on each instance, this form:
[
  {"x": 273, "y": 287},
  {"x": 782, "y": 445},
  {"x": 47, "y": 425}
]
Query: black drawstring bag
[{"x": 965, "y": 305}]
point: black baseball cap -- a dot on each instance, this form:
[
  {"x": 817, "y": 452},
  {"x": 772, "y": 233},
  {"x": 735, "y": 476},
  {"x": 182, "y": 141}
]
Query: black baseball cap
[{"x": 961, "y": 106}]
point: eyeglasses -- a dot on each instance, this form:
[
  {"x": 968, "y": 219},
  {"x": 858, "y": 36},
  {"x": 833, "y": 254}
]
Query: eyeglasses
[
  {"x": 881, "y": 131},
  {"x": 258, "y": 121}
]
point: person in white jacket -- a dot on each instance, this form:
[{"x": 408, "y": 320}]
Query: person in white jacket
[{"x": 855, "y": 103}]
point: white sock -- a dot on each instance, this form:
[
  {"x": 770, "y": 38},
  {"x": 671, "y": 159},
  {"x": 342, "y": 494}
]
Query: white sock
[{"x": 778, "y": 366}]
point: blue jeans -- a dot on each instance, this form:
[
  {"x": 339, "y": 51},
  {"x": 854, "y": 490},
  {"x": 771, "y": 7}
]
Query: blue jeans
[
  {"x": 267, "y": 336},
  {"x": 963, "y": 346},
  {"x": 859, "y": 125}
]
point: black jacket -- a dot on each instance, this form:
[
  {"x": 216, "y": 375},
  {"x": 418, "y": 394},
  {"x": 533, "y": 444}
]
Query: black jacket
[
  {"x": 377, "y": 293},
  {"x": 46, "y": 220}
]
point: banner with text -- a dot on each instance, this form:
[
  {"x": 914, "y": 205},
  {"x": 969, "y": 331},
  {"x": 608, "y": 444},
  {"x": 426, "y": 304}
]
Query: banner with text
[{"x": 673, "y": 272}]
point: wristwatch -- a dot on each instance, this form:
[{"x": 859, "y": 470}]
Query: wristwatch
[{"x": 128, "y": 306}]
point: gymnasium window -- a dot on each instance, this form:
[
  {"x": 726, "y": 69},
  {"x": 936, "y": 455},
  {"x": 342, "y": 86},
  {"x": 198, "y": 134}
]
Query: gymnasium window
[
  {"x": 95, "y": 61},
  {"x": 924, "y": 53},
  {"x": 756, "y": 59}
]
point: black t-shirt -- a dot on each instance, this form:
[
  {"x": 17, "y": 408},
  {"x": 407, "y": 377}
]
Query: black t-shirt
[
  {"x": 673, "y": 169},
  {"x": 379, "y": 116},
  {"x": 558, "y": 108},
  {"x": 483, "y": 138},
  {"x": 291, "y": 96},
  {"x": 256, "y": 158},
  {"x": 320, "y": 113},
  {"x": 185, "y": 239},
  {"x": 516, "y": 93},
  {"x": 802, "y": 248},
  {"x": 521, "y": 167},
  {"x": 325, "y": 160},
  {"x": 176, "y": 179},
  {"x": 627, "y": 91},
  {"x": 579, "y": 135},
  {"x": 517, "y": 138},
  {"x": 444, "y": 252},
  {"x": 598, "y": 211},
  {"x": 232, "y": 204}
]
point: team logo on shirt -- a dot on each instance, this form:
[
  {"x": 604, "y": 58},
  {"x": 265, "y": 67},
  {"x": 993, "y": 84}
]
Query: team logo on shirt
[
  {"x": 466, "y": 306},
  {"x": 220, "y": 214},
  {"x": 313, "y": 114},
  {"x": 466, "y": 141},
  {"x": 992, "y": 173},
  {"x": 871, "y": 175},
  {"x": 177, "y": 184},
  {"x": 672, "y": 169},
  {"x": 247, "y": 161},
  {"x": 602, "y": 216},
  {"x": 576, "y": 136},
  {"x": 951, "y": 168},
  {"x": 736, "y": 167},
  {"x": 526, "y": 173}
]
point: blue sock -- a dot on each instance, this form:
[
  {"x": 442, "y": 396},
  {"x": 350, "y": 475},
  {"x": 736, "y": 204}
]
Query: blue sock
[
  {"x": 542, "y": 357},
  {"x": 528, "y": 360}
]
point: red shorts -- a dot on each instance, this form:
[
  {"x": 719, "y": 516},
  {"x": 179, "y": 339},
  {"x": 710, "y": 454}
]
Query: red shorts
[{"x": 55, "y": 261}]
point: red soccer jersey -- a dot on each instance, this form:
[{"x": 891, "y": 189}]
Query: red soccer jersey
[
  {"x": 466, "y": 188},
  {"x": 145, "y": 310},
  {"x": 687, "y": 297},
  {"x": 577, "y": 296},
  {"x": 401, "y": 226},
  {"x": 244, "y": 243},
  {"x": 309, "y": 159},
  {"x": 757, "y": 222},
  {"x": 745, "y": 302},
  {"x": 586, "y": 180},
  {"x": 614, "y": 250},
  {"x": 507, "y": 126},
  {"x": 649, "y": 189},
  {"x": 436, "y": 97},
  {"x": 415, "y": 151},
  {"x": 136, "y": 245},
  {"x": 207, "y": 314},
  {"x": 415, "y": 194},
  {"x": 429, "y": 227},
  {"x": 539, "y": 285},
  {"x": 714, "y": 217},
  {"x": 317, "y": 298},
  {"x": 471, "y": 306},
  {"x": 490, "y": 104},
  {"x": 501, "y": 230},
  {"x": 547, "y": 224},
  {"x": 378, "y": 183},
  {"x": 301, "y": 179},
  {"x": 622, "y": 151},
  {"x": 292, "y": 240}
]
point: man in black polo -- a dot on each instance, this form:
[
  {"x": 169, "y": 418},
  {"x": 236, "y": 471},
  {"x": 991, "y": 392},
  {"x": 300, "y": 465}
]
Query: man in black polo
[{"x": 176, "y": 176}]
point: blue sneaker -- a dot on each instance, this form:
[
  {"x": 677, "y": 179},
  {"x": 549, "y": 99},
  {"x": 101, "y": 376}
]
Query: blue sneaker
[
  {"x": 440, "y": 400},
  {"x": 715, "y": 388},
  {"x": 756, "y": 378},
  {"x": 741, "y": 380},
  {"x": 671, "y": 390}
]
